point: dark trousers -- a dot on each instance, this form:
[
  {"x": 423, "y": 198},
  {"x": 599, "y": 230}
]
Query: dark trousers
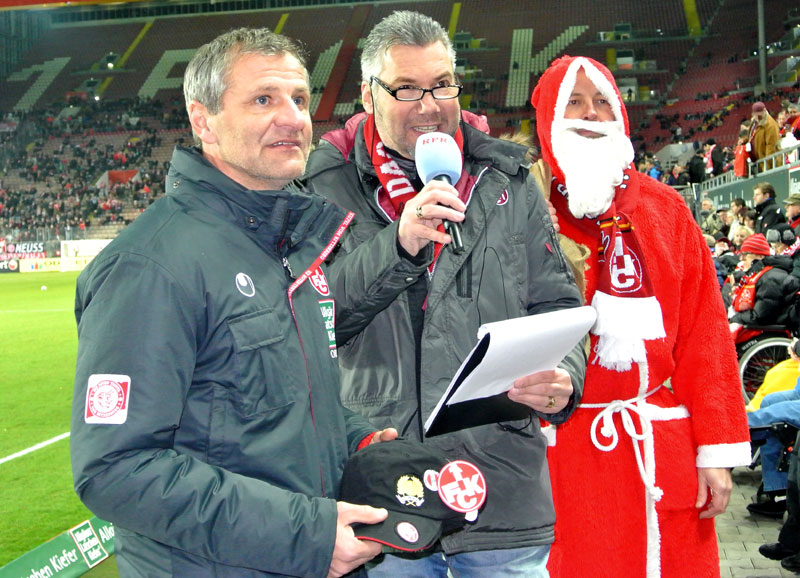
[{"x": 789, "y": 535}]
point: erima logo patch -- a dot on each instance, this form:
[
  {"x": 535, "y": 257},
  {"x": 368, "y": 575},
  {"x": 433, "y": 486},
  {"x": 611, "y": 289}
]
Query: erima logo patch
[
  {"x": 503, "y": 198},
  {"x": 245, "y": 285},
  {"x": 107, "y": 398}
]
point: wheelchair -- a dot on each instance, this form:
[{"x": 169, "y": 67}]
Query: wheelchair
[
  {"x": 759, "y": 349},
  {"x": 765, "y": 503},
  {"x": 786, "y": 434}
]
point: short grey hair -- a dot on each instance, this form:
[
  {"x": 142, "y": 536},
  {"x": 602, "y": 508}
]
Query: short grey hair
[
  {"x": 205, "y": 79},
  {"x": 405, "y": 28}
]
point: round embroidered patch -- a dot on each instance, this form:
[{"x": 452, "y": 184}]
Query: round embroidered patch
[
  {"x": 105, "y": 399},
  {"x": 407, "y": 531},
  {"x": 462, "y": 486},
  {"x": 431, "y": 479}
]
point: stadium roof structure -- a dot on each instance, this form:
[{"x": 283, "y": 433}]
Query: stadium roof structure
[
  {"x": 32, "y": 4},
  {"x": 83, "y": 4}
]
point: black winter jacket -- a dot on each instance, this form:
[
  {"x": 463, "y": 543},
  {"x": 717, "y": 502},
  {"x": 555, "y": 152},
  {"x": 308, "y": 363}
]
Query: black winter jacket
[
  {"x": 697, "y": 169},
  {"x": 512, "y": 267},
  {"x": 774, "y": 292},
  {"x": 769, "y": 214},
  {"x": 219, "y": 467}
]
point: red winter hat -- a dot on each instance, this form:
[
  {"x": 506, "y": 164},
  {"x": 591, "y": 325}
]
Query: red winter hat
[
  {"x": 756, "y": 244},
  {"x": 552, "y": 93}
]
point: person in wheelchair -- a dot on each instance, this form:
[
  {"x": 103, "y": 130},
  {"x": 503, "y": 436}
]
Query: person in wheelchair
[
  {"x": 777, "y": 418},
  {"x": 787, "y": 548},
  {"x": 764, "y": 289},
  {"x": 781, "y": 377}
]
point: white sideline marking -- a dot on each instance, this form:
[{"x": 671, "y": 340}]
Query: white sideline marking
[{"x": 34, "y": 448}]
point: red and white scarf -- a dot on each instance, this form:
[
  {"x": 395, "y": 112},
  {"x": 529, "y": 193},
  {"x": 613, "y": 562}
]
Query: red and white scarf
[
  {"x": 628, "y": 312},
  {"x": 792, "y": 249},
  {"x": 396, "y": 189}
]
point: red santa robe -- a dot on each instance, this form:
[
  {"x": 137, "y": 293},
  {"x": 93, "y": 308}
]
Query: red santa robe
[{"x": 624, "y": 466}]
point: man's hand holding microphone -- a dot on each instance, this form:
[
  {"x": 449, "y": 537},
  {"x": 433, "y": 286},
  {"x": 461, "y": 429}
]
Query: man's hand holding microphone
[{"x": 439, "y": 162}]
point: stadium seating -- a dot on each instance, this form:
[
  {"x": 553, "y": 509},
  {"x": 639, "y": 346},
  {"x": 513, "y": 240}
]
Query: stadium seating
[{"x": 504, "y": 44}]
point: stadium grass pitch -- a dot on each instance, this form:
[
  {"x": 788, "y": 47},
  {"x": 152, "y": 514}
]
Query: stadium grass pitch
[{"x": 37, "y": 369}]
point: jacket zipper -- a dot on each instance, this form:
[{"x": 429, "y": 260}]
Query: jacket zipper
[
  {"x": 288, "y": 268},
  {"x": 290, "y": 293}
]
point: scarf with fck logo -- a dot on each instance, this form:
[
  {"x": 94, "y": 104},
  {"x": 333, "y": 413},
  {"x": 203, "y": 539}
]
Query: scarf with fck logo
[
  {"x": 396, "y": 189},
  {"x": 628, "y": 312}
]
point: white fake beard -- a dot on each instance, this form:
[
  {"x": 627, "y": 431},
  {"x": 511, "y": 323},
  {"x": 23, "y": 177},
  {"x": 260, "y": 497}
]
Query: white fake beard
[{"x": 592, "y": 167}]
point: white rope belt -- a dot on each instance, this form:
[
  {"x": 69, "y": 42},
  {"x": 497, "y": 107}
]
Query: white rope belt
[{"x": 625, "y": 408}]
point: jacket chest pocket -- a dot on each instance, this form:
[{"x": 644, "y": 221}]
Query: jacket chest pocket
[
  {"x": 498, "y": 279},
  {"x": 268, "y": 361}
]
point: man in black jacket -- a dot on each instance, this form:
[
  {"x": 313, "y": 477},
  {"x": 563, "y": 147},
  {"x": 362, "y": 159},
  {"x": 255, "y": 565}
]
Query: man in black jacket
[
  {"x": 206, "y": 420},
  {"x": 697, "y": 167},
  {"x": 768, "y": 211},
  {"x": 409, "y": 307},
  {"x": 717, "y": 158}
]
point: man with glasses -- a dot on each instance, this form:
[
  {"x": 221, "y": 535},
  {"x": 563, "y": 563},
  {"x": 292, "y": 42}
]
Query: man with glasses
[{"x": 408, "y": 306}]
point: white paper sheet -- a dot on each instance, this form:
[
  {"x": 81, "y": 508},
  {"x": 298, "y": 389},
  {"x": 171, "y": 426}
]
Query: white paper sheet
[{"x": 515, "y": 348}]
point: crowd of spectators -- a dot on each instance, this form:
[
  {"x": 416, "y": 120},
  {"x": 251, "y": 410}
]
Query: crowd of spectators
[
  {"x": 52, "y": 167},
  {"x": 51, "y": 191},
  {"x": 710, "y": 159}
]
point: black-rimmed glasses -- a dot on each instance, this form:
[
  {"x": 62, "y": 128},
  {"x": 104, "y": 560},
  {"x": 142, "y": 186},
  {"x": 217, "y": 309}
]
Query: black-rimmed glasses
[{"x": 412, "y": 93}]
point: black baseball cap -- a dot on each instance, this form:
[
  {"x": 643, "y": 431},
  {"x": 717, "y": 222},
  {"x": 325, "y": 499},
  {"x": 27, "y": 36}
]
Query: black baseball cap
[{"x": 404, "y": 476}]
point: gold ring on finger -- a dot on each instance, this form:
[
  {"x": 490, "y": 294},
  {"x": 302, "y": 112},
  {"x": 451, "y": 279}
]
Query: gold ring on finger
[
  {"x": 551, "y": 403},
  {"x": 418, "y": 212}
]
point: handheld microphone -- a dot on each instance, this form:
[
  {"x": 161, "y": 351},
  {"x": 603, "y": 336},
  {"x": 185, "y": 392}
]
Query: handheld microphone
[{"x": 438, "y": 158}]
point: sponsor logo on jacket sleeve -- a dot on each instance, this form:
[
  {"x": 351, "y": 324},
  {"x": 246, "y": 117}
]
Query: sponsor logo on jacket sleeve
[{"x": 107, "y": 398}]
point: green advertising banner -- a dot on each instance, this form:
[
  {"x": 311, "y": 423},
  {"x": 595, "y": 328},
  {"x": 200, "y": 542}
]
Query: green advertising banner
[{"x": 69, "y": 554}]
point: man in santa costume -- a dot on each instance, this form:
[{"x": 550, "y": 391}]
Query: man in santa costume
[{"x": 641, "y": 469}]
